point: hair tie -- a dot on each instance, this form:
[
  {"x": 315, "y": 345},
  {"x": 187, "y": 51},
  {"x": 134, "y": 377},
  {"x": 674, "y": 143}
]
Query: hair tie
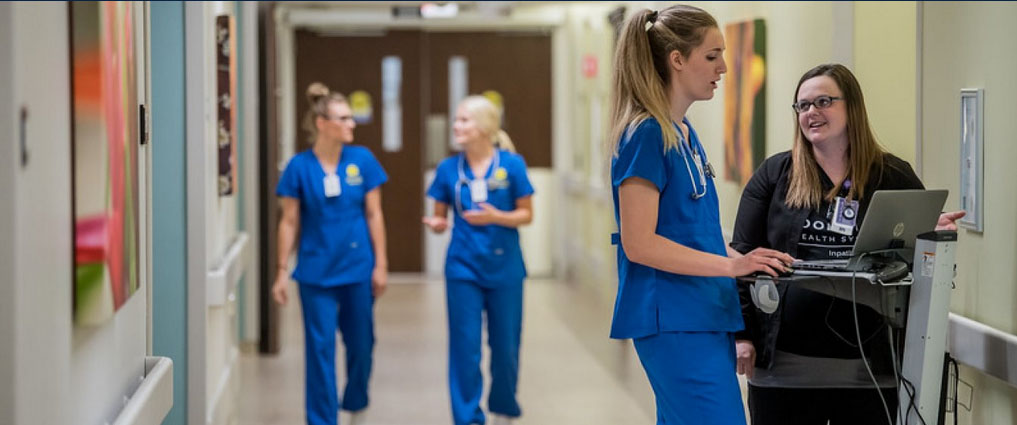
[{"x": 650, "y": 20}]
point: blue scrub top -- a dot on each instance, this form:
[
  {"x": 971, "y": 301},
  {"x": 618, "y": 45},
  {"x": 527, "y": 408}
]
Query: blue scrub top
[
  {"x": 335, "y": 244},
  {"x": 650, "y": 301},
  {"x": 488, "y": 255}
]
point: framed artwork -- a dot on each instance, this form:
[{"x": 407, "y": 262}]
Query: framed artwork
[
  {"x": 744, "y": 99},
  {"x": 971, "y": 158},
  {"x": 226, "y": 103},
  {"x": 104, "y": 150}
]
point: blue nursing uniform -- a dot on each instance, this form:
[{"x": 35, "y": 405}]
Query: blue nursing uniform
[
  {"x": 484, "y": 270},
  {"x": 682, "y": 326},
  {"x": 334, "y": 265}
]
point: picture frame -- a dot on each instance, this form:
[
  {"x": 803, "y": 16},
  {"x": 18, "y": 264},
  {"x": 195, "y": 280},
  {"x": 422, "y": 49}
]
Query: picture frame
[{"x": 971, "y": 158}]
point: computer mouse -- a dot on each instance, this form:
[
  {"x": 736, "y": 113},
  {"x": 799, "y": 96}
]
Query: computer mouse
[
  {"x": 892, "y": 271},
  {"x": 780, "y": 274}
]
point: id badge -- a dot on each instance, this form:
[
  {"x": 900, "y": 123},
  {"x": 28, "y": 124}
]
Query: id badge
[
  {"x": 845, "y": 214},
  {"x": 332, "y": 186},
  {"x": 478, "y": 191}
]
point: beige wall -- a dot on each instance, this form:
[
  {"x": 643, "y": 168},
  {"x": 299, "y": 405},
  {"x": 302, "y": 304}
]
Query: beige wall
[
  {"x": 884, "y": 63},
  {"x": 974, "y": 45},
  {"x": 799, "y": 36}
]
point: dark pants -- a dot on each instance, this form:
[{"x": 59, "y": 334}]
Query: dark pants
[{"x": 816, "y": 406}]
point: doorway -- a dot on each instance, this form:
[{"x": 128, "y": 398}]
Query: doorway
[{"x": 512, "y": 67}]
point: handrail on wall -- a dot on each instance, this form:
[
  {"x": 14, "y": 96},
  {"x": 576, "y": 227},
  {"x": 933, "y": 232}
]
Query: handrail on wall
[
  {"x": 984, "y": 348},
  {"x": 154, "y": 397},
  {"x": 224, "y": 277}
]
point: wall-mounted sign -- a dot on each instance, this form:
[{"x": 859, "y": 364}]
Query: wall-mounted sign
[
  {"x": 589, "y": 66},
  {"x": 360, "y": 103}
]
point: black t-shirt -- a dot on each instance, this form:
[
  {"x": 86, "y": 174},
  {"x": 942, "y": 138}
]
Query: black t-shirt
[
  {"x": 812, "y": 321},
  {"x": 818, "y": 242}
]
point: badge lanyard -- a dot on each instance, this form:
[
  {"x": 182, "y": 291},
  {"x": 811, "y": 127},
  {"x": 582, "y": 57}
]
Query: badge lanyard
[
  {"x": 478, "y": 186},
  {"x": 844, "y": 214},
  {"x": 332, "y": 186}
]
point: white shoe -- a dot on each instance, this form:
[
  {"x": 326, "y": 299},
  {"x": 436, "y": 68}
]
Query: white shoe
[
  {"x": 359, "y": 417},
  {"x": 500, "y": 419}
]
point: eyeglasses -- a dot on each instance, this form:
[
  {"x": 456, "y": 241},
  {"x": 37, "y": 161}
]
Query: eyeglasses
[
  {"x": 821, "y": 102},
  {"x": 343, "y": 118}
]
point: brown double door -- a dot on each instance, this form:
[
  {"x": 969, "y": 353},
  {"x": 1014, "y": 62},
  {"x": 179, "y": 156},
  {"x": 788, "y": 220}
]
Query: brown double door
[{"x": 516, "y": 65}]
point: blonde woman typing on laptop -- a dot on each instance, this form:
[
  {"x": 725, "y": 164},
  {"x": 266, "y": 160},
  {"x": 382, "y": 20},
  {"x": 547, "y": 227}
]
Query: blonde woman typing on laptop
[
  {"x": 676, "y": 299},
  {"x": 803, "y": 360}
]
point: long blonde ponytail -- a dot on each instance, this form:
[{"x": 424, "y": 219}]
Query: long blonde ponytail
[{"x": 641, "y": 71}]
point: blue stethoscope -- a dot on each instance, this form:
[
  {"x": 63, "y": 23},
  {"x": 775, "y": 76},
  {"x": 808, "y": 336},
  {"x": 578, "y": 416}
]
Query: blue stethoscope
[
  {"x": 703, "y": 166},
  {"x": 496, "y": 162}
]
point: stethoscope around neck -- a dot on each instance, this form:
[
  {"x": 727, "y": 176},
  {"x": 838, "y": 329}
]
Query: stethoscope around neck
[
  {"x": 495, "y": 163},
  {"x": 703, "y": 166}
]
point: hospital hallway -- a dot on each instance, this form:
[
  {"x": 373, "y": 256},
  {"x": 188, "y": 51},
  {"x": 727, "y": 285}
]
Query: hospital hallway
[
  {"x": 570, "y": 372},
  {"x": 167, "y": 168}
]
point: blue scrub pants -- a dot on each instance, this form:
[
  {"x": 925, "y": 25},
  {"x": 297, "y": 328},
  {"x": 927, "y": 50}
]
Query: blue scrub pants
[
  {"x": 693, "y": 375},
  {"x": 350, "y": 309},
  {"x": 466, "y": 303}
]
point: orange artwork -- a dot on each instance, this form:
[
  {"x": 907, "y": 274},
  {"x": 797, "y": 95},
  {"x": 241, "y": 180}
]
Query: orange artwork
[{"x": 744, "y": 100}]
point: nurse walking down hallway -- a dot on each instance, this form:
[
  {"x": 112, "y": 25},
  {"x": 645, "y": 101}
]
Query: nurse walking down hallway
[
  {"x": 489, "y": 192},
  {"x": 331, "y": 196},
  {"x": 676, "y": 296}
]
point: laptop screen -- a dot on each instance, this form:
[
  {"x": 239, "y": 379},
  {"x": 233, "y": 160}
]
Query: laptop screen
[{"x": 898, "y": 215}]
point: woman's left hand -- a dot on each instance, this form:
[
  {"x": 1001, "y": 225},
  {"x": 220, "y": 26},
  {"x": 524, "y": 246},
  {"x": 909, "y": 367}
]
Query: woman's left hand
[
  {"x": 488, "y": 214},
  {"x": 379, "y": 281},
  {"x": 948, "y": 220}
]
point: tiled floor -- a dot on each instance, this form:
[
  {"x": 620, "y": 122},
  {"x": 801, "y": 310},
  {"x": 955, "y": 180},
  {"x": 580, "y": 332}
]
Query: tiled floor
[{"x": 571, "y": 373}]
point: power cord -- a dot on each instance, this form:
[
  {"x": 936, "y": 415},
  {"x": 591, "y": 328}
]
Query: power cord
[
  {"x": 893, "y": 357},
  {"x": 952, "y": 364},
  {"x": 826, "y": 320},
  {"x": 909, "y": 388},
  {"x": 861, "y": 350}
]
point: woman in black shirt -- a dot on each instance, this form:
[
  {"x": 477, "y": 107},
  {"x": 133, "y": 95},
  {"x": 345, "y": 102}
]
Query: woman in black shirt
[{"x": 803, "y": 361}]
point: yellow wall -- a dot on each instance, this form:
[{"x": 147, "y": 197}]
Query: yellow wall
[
  {"x": 974, "y": 45},
  {"x": 884, "y": 63}
]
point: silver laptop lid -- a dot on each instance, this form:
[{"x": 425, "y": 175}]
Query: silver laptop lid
[{"x": 898, "y": 214}]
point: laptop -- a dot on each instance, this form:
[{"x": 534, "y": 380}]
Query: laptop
[{"x": 893, "y": 221}]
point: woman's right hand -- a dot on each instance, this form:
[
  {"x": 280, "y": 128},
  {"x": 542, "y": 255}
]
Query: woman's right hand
[
  {"x": 279, "y": 288},
  {"x": 436, "y": 224},
  {"x": 746, "y": 357},
  {"x": 763, "y": 260}
]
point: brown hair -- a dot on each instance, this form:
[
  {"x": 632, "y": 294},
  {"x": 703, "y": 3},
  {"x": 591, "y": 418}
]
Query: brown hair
[
  {"x": 319, "y": 97},
  {"x": 641, "y": 66},
  {"x": 865, "y": 155}
]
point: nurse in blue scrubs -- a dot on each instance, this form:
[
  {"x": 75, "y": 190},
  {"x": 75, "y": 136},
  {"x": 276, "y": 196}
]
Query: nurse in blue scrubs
[
  {"x": 331, "y": 197},
  {"x": 676, "y": 298},
  {"x": 488, "y": 191}
]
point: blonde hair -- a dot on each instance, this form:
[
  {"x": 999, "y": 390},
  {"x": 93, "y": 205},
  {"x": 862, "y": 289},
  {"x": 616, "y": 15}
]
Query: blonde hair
[
  {"x": 865, "y": 155},
  {"x": 642, "y": 71},
  {"x": 488, "y": 118},
  {"x": 319, "y": 98}
]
